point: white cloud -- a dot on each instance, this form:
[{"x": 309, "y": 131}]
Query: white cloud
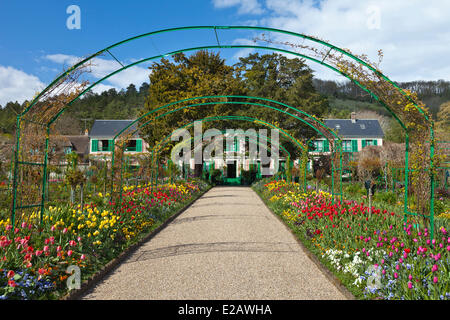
[
  {"x": 16, "y": 85},
  {"x": 102, "y": 67},
  {"x": 245, "y": 6},
  {"x": 414, "y": 35}
]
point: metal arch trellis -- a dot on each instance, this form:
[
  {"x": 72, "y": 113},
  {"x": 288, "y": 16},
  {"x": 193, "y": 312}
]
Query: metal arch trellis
[
  {"x": 240, "y": 118},
  {"x": 164, "y": 142},
  {"x": 314, "y": 121},
  {"x": 256, "y": 139},
  {"x": 207, "y": 119},
  {"x": 229, "y": 117},
  {"x": 337, "y": 68}
]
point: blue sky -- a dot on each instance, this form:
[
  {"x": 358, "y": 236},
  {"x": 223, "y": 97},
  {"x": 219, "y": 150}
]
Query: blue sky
[{"x": 35, "y": 43}]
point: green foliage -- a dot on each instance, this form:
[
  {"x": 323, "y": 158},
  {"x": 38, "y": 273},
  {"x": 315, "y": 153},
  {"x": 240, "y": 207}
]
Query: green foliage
[
  {"x": 216, "y": 176},
  {"x": 388, "y": 197},
  {"x": 249, "y": 176},
  {"x": 355, "y": 189}
]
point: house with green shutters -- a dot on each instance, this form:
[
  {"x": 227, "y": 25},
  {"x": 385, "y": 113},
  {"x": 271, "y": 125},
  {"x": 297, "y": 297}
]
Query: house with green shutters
[
  {"x": 102, "y": 134},
  {"x": 355, "y": 133}
]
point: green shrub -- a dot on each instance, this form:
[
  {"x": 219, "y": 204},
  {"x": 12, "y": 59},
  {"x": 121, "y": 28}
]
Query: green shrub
[
  {"x": 388, "y": 197},
  {"x": 355, "y": 189}
]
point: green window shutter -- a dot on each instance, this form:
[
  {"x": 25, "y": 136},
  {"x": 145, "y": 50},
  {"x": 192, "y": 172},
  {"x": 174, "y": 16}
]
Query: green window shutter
[
  {"x": 326, "y": 146},
  {"x": 354, "y": 145},
  {"x": 375, "y": 142},
  {"x": 364, "y": 143},
  {"x": 236, "y": 145},
  {"x": 110, "y": 145},
  {"x": 94, "y": 145},
  {"x": 138, "y": 145}
]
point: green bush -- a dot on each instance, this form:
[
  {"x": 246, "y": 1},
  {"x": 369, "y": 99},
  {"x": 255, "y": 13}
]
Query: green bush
[
  {"x": 388, "y": 197},
  {"x": 249, "y": 176},
  {"x": 355, "y": 189},
  {"x": 216, "y": 176}
]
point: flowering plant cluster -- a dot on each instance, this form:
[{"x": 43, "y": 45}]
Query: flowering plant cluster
[
  {"x": 381, "y": 254},
  {"x": 35, "y": 255}
]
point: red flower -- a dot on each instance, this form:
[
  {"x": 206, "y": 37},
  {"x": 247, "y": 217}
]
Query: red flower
[
  {"x": 407, "y": 250},
  {"x": 12, "y": 283}
]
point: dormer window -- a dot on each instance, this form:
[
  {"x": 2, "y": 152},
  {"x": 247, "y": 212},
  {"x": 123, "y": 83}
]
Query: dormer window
[
  {"x": 362, "y": 126},
  {"x": 338, "y": 126}
]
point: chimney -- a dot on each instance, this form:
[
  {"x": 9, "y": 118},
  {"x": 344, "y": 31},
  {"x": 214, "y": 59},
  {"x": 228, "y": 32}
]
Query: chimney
[{"x": 353, "y": 117}]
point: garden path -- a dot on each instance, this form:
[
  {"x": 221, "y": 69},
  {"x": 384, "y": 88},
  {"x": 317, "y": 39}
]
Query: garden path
[{"x": 227, "y": 245}]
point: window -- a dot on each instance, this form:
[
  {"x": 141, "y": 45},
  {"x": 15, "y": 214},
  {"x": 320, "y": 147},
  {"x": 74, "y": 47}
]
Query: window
[
  {"x": 67, "y": 150},
  {"x": 318, "y": 145},
  {"x": 232, "y": 144},
  {"x": 321, "y": 146},
  {"x": 131, "y": 145},
  {"x": 347, "y": 145},
  {"x": 362, "y": 126},
  {"x": 105, "y": 145}
]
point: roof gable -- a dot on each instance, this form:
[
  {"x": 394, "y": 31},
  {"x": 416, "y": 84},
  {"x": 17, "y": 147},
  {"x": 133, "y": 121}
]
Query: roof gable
[{"x": 357, "y": 128}]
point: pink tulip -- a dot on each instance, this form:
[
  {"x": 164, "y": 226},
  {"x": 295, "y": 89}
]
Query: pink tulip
[
  {"x": 435, "y": 279},
  {"x": 69, "y": 253},
  {"x": 65, "y": 230},
  {"x": 410, "y": 277},
  {"x": 410, "y": 285},
  {"x": 83, "y": 257},
  {"x": 434, "y": 268},
  {"x": 395, "y": 275},
  {"x": 46, "y": 248}
]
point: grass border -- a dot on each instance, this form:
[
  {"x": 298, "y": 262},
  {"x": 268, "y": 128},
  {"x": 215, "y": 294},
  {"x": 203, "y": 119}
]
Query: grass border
[
  {"x": 89, "y": 283},
  {"x": 334, "y": 278}
]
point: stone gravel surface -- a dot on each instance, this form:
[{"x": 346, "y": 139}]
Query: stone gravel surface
[{"x": 228, "y": 246}]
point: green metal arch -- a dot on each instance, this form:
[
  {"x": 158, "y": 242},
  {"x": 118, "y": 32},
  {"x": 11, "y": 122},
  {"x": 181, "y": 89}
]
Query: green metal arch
[
  {"x": 241, "y": 118},
  {"x": 339, "y": 145},
  {"x": 215, "y": 28}
]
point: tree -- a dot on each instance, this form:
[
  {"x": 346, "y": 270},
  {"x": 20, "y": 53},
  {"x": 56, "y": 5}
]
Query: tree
[
  {"x": 442, "y": 124},
  {"x": 290, "y": 81},
  {"x": 201, "y": 74}
]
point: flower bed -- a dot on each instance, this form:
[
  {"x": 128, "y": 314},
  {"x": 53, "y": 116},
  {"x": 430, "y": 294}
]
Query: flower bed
[
  {"x": 34, "y": 257},
  {"x": 376, "y": 255}
]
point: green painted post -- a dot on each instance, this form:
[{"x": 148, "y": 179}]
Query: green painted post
[
  {"x": 16, "y": 173},
  {"x": 44, "y": 175},
  {"x": 405, "y": 206},
  {"x": 432, "y": 145}
]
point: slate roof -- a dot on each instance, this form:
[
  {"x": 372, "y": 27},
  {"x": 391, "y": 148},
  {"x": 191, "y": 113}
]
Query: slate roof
[
  {"x": 359, "y": 129},
  {"x": 80, "y": 144},
  {"x": 109, "y": 128}
]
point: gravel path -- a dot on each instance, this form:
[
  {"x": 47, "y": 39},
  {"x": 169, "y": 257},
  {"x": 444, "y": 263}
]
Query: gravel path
[{"x": 228, "y": 246}]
